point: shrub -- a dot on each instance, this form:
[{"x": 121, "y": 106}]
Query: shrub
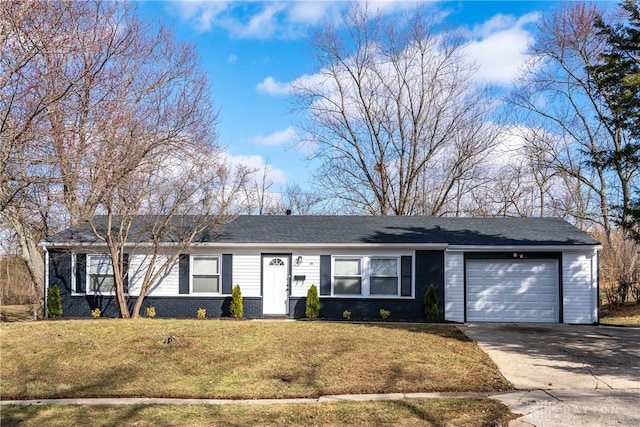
[
  {"x": 150, "y": 312},
  {"x": 237, "y": 309},
  {"x": 54, "y": 303},
  {"x": 619, "y": 267},
  {"x": 95, "y": 313},
  {"x": 346, "y": 315},
  {"x": 201, "y": 313},
  {"x": 385, "y": 313},
  {"x": 635, "y": 292},
  {"x": 431, "y": 303},
  {"x": 312, "y": 310}
]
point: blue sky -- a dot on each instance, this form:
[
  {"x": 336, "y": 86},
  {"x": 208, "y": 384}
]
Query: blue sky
[{"x": 252, "y": 50}]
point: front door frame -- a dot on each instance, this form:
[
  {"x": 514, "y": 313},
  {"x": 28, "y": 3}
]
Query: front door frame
[{"x": 288, "y": 256}]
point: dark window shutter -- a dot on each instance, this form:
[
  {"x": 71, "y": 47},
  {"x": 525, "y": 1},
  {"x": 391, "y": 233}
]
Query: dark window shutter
[
  {"x": 227, "y": 273},
  {"x": 405, "y": 276},
  {"x": 325, "y": 274},
  {"x": 59, "y": 272},
  {"x": 125, "y": 272},
  {"x": 81, "y": 273},
  {"x": 183, "y": 275}
]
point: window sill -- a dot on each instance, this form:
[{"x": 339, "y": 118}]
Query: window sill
[
  {"x": 372, "y": 297},
  {"x": 94, "y": 294}
]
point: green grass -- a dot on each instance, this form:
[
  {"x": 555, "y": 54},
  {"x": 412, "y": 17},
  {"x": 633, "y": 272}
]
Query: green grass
[
  {"x": 236, "y": 359},
  {"x": 428, "y": 412},
  {"x": 628, "y": 314}
]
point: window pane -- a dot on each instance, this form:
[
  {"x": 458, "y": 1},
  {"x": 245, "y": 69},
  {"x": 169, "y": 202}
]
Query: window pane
[
  {"x": 347, "y": 267},
  {"x": 347, "y": 286},
  {"x": 384, "y": 286},
  {"x": 205, "y": 266},
  {"x": 384, "y": 267},
  {"x": 205, "y": 284},
  {"x": 103, "y": 284},
  {"x": 100, "y": 264}
]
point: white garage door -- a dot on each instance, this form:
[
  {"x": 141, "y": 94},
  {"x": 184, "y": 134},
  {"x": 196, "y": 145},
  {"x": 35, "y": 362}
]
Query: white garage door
[{"x": 512, "y": 291}]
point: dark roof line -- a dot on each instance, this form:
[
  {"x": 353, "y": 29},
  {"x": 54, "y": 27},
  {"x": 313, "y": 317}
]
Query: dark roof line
[{"x": 284, "y": 229}]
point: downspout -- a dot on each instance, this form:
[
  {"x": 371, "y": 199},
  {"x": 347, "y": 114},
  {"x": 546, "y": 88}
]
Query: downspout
[
  {"x": 46, "y": 280},
  {"x": 597, "y": 273}
]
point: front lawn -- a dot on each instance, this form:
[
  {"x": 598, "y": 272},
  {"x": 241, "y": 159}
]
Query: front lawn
[
  {"x": 428, "y": 412},
  {"x": 236, "y": 359}
]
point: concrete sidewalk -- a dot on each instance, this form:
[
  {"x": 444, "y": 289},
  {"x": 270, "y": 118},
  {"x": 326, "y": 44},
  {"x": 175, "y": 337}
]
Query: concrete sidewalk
[
  {"x": 555, "y": 408},
  {"x": 321, "y": 399},
  {"x": 540, "y": 408}
]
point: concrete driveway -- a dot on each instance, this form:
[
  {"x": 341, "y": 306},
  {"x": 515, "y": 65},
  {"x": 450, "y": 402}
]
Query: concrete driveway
[{"x": 566, "y": 375}]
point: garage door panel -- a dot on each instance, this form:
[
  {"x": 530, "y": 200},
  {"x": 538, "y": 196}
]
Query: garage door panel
[{"x": 514, "y": 291}]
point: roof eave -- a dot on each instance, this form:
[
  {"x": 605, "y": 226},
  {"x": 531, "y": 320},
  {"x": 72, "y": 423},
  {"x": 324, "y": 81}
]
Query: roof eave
[
  {"x": 278, "y": 245},
  {"x": 530, "y": 248}
]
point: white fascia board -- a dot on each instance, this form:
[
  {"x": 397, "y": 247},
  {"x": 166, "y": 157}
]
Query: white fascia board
[
  {"x": 261, "y": 245},
  {"x": 325, "y": 245},
  {"x": 73, "y": 245},
  {"x": 526, "y": 248}
]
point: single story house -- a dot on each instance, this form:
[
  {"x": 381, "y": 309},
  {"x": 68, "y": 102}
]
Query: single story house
[{"x": 483, "y": 269}]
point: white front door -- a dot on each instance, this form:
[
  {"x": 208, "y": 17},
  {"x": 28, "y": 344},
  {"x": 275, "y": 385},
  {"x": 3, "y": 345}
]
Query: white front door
[{"x": 275, "y": 283}]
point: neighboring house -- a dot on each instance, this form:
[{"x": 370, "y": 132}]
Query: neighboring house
[{"x": 484, "y": 269}]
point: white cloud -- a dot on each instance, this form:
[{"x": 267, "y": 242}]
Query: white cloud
[
  {"x": 272, "y": 87},
  {"x": 202, "y": 14},
  {"x": 269, "y": 19},
  {"x": 499, "y": 47},
  {"x": 508, "y": 149},
  {"x": 261, "y": 25},
  {"x": 314, "y": 12},
  {"x": 277, "y": 138},
  {"x": 258, "y": 165},
  {"x": 244, "y": 19}
]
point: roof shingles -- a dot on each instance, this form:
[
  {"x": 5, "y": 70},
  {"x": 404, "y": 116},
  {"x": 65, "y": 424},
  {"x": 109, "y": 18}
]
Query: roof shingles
[{"x": 375, "y": 229}]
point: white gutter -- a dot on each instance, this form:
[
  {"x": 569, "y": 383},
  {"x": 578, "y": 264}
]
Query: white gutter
[
  {"x": 530, "y": 248},
  {"x": 258, "y": 245},
  {"x": 46, "y": 281},
  {"x": 443, "y": 246}
]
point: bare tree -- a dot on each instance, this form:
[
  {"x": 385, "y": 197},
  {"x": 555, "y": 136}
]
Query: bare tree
[
  {"x": 92, "y": 99},
  {"x": 558, "y": 96},
  {"x": 154, "y": 217},
  {"x": 392, "y": 114},
  {"x": 302, "y": 201},
  {"x": 258, "y": 194},
  {"x": 29, "y": 32}
]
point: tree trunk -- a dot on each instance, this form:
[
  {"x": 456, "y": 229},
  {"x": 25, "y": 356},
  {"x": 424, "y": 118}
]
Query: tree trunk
[{"x": 31, "y": 254}]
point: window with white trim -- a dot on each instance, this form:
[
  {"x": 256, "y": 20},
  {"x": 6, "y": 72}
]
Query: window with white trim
[
  {"x": 100, "y": 274},
  {"x": 383, "y": 276},
  {"x": 347, "y": 279},
  {"x": 376, "y": 276},
  {"x": 205, "y": 276}
]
